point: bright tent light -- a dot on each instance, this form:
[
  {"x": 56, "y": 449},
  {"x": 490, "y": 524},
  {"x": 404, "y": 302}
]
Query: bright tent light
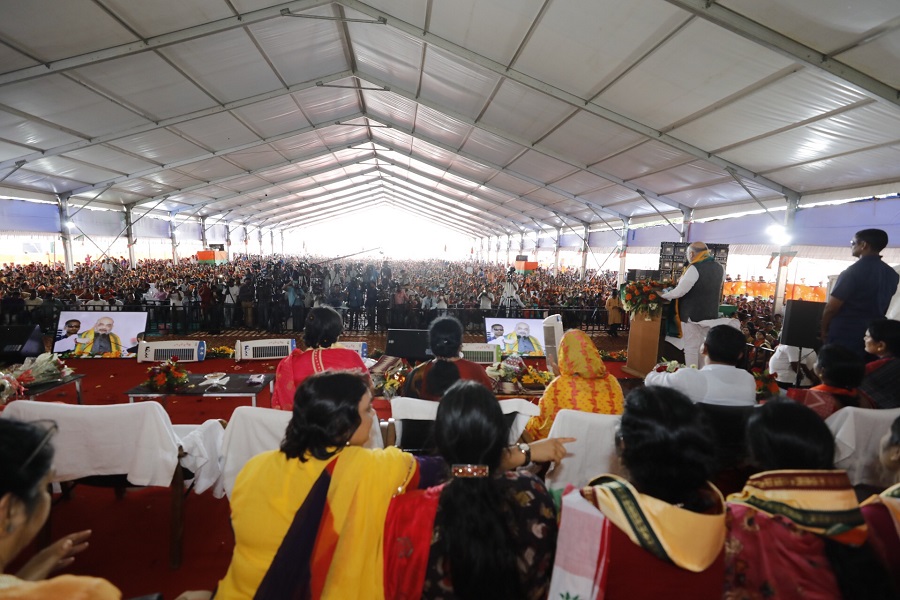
[
  {"x": 779, "y": 235},
  {"x": 397, "y": 233}
]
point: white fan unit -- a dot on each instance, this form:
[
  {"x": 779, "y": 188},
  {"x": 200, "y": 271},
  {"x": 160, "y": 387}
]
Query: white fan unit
[
  {"x": 486, "y": 354},
  {"x": 263, "y": 349},
  {"x": 185, "y": 350},
  {"x": 361, "y": 348},
  {"x": 553, "y": 332}
]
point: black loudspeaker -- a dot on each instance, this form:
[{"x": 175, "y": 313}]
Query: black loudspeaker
[
  {"x": 18, "y": 342},
  {"x": 802, "y": 322},
  {"x": 521, "y": 257}
]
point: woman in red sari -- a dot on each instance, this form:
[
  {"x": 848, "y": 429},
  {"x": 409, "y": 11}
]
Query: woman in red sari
[
  {"x": 841, "y": 372},
  {"x": 323, "y": 327}
]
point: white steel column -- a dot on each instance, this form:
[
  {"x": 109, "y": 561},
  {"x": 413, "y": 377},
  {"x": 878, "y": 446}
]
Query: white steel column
[
  {"x": 63, "y": 204},
  {"x": 129, "y": 235},
  {"x": 781, "y": 276}
]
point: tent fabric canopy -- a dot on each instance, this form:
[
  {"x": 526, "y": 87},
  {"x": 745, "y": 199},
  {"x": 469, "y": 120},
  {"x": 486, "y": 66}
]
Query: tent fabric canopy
[{"x": 491, "y": 117}]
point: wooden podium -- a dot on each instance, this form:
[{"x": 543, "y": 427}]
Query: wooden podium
[{"x": 643, "y": 344}]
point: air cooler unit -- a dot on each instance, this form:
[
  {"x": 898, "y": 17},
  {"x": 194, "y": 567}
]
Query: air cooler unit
[
  {"x": 185, "y": 350},
  {"x": 485, "y": 354},
  {"x": 361, "y": 348},
  {"x": 263, "y": 349}
]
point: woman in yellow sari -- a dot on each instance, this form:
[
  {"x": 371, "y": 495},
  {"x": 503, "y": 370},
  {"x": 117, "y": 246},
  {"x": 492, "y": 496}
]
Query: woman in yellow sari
[{"x": 583, "y": 384}]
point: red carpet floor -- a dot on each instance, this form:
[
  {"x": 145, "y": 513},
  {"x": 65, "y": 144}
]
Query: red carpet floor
[{"x": 130, "y": 542}]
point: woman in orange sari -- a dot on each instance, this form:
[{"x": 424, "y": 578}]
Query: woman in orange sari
[{"x": 583, "y": 384}]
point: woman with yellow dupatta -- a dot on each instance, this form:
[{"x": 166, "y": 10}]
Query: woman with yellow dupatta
[
  {"x": 796, "y": 529},
  {"x": 308, "y": 519},
  {"x": 661, "y": 532},
  {"x": 583, "y": 384}
]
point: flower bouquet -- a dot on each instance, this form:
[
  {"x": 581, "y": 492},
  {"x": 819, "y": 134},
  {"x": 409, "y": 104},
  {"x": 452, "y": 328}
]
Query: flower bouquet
[
  {"x": 534, "y": 379},
  {"x": 766, "y": 384},
  {"x": 670, "y": 366},
  {"x": 168, "y": 376},
  {"x": 220, "y": 352},
  {"x": 9, "y": 387},
  {"x": 506, "y": 374},
  {"x": 43, "y": 368},
  {"x": 394, "y": 380},
  {"x": 642, "y": 296},
  {"x": 614, "y": 356}
]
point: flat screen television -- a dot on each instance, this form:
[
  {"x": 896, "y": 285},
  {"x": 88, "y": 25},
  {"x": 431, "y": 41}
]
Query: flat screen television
[
  {"x": 521, "y": 336},
  {"x": 108, "y": 334}
]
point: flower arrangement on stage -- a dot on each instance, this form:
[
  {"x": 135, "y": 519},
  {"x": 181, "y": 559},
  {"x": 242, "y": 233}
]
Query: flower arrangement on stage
[
  {"x": 220, "y": 352},
  {"x": 535, "y": 379},
  {"x": 394, "y": 380},
  {"x": 614, "y": 356},
  {"x": 9, "y": 387},
  {"x": 642, "y": 296},
  {"x": 670, "y": 366},
  {"x": 512, "y": 375},
  {"x": 507, "y": 371},
  {"x": 43, "y": 368},
  {"x": 766, "y": 384},
  {"x": 166, "y": 376}
]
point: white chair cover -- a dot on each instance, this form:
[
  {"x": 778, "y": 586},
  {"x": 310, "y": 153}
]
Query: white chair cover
[
  {"x": 857, "y": 435},
  {"x": 594, "y": 452},
  {"x": 253, "y": 430},
  {"x": 413, "y": 409},
  {"x": 524, "y": 410},
  {"x": 136, "y": 440}
]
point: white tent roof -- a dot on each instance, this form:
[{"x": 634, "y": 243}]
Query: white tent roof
[{"x": 490, "y": 116}]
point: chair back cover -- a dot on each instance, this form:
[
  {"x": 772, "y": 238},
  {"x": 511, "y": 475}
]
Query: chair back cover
[
  {"x": 594, "y": 452},
  {"x": 857, "y": 436}
]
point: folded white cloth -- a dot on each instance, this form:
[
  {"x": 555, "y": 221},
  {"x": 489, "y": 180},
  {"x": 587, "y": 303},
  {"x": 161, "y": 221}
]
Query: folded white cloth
[
  {"x": 202, "y": 446},
  {"x": 251, "y": 431},
  {"x": 136, "y": 440}
]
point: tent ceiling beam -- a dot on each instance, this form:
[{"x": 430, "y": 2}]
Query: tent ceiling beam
[
  {"x": 159, "y": 41},
  {"x": 485, "y": 163},
  {"x": 568, "y": 98},
  {"x": 506, "y": 136},
  {"x": 176, "y": 120},
  {"x": 792, "y": 49},
  {"x": 309, "y": 204},
  {"x": 432, "y": 210},
  {"x": 204, "y": 156},
  {"x": 222, "y": 180}
]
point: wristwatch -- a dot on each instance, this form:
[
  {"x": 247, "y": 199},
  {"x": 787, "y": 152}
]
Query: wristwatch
[{"x": 526, "y": 450}]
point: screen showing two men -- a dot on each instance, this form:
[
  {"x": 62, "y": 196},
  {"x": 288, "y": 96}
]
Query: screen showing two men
[
  {"x": 520, "y": 336},
  {"x": 107, "y": 334}
]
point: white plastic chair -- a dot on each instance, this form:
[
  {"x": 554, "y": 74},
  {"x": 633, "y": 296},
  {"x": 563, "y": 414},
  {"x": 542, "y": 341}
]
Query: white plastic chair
[
  {"x": 137, "y": 441},
  {"x": 593, "y": 453},
  {"x": 253, "y": 430},
  {"x": 857, "y": 436}
]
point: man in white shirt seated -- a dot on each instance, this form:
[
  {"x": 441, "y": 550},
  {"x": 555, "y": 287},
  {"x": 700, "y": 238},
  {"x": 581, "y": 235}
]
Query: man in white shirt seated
[
  {"x": 787, "y": 360},
  {"x": 720, "y": 381}
]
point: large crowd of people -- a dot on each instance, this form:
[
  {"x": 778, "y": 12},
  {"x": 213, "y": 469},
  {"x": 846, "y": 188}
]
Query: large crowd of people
[{"x": 276, "y": 292}]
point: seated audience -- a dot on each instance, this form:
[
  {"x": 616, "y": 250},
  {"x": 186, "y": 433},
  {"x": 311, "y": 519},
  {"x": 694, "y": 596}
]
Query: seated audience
[
  {"x": 431, "y": 379},
  {"x": 583, "y": 384},
  {"x": 796, "y": 530},
  {"x": 661, "y": 532},
  {"x": 324, "y": 326},
  {"x": 882, "y": 379},
  {"x": 882, "y": 512},
  {"x": 787, "y": 360},
  {"x": 486, "y": 533},
  {"x": 322, "y": 480},
  {"x": 25, "y": 458},
  {"x": 841, "y": 371},
  {"x": 721, "y": 381}
]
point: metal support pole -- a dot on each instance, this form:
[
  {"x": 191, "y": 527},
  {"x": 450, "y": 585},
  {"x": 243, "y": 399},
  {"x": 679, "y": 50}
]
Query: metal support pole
[
  {"x": 259, "y": 239},
  {"x": 781, "y": 276},
  {"x": 272, "y": 240},
  {"x": 556, "y": 251},
  {"x": 282, "y": 241},
  {"x": 129, "y": 235},
  {"x": 246, "y": 241},
  {"x": 508, "y": 247},
  {"x": 172, "y": 237},
  {"x": 227, "y": 241},
  {"x": 687, "y": 215},
  {"x": 585, "y": 249},
  {"x": 621, "y": 277},
  {"x": 203, "y": 239},
  {"x": 63, "y": 204}
]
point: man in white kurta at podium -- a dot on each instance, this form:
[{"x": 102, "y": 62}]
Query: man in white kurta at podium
[
  {"x": 696, "y": 298},
  {"x": 720, "y": 381}
]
